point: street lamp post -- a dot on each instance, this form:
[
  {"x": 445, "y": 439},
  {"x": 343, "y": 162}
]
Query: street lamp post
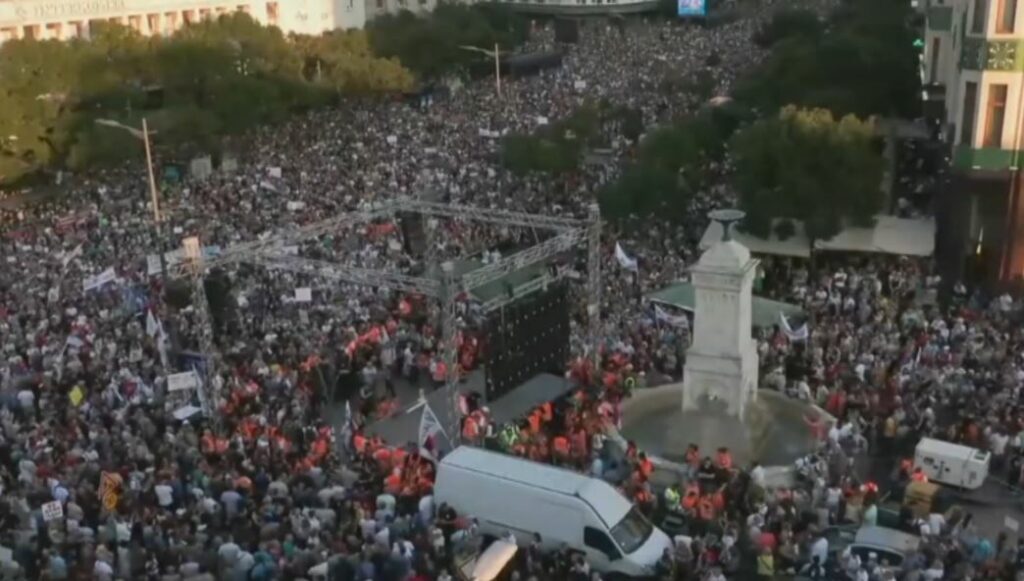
[
  {"x": 154, "y": 195},
  {"x": 496, "y": 53}
]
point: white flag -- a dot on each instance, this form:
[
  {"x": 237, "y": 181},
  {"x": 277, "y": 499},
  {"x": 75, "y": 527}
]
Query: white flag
[
  {"x": 624, "y": 259},
  {"x": 430, "y": 427},
  {"x": 161, "y": 347},
  {"x": 801, "y": 334},
  {"x": 152, "y": 325},
  {"x": 674, "y": 320},
  {"x": 66, "y": 260}
]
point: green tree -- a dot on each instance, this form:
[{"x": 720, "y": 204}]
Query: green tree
[
  {"x": 345, "y": 61},
  {"x": 645, "y": 191},
  {"x": 37, "y": 88},
  {"x": 865, "y": 65},
  {"x": 789, "y": 23},
  {"x": 446, "y": 29},
  {"x": 809, "y": 166},
  {"x": 523, "y": 154}
]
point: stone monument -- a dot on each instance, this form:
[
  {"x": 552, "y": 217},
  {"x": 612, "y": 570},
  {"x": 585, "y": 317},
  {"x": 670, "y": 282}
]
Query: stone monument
[
  {"x": 721, "y": 363},
  {"x": 721, "y": 406}
]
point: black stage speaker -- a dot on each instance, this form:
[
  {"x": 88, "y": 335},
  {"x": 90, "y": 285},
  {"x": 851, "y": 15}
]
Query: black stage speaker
[
  {"x": 567, "y": 30},
  {"x": 526, "y": 338},
  {"x": 414, "y": 234}
]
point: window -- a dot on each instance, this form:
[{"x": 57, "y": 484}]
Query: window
[
  {"x": 934, "y": 69},
  {"x": 995, "y": 116},
  {"x": 632, "y": 531},
  {"x": 970, "y": 104},
  {"x": 599, "y": 541},
  {"x": 1006, "y": 14},
  {"x": 978, "y": 19}
]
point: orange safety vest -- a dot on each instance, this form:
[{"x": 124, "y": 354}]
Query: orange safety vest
[
  {"x": 359, "y": 443},
  {"x": 547, "y": 413},
  {"x": 383, "y": 456},
  {"x": 561, "y": 445},
  {"x": 320, "y": 448},
  {"x": 393, "y": 483},
  {"x": 470, "y": 429},
  {"x": 398, "y": 457},
  {"x": 690, "y": 500},
  {"x": 646, "y": 468},
  {"x": 534, "y": 420},
  {"x": 440, "y": 371}
]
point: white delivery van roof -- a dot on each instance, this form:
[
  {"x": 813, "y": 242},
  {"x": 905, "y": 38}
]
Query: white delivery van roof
[
  {"x": 949, "y": 450},
  {"x": 607, "y": 501}
]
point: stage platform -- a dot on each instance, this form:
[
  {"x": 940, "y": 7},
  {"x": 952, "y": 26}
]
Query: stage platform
[{"x": 404, "y": 426}]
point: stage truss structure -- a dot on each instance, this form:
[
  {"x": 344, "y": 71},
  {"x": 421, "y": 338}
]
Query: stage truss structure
[{"x": 445, "y": 286}]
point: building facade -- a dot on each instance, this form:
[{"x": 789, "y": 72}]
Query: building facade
[
  {"x": 973, "y": 74},
  {"x": 66, "y": 19}
]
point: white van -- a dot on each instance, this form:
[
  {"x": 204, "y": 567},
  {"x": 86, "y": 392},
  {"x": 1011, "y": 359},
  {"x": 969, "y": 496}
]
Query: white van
[
  {"x": 508, "y": 494},
  {"x": 952, "y": 464}
]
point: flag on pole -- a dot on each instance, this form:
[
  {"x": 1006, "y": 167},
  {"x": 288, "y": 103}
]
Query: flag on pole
[
  {"x": 68, "y": 257},
  {"x": 625, "y": 261},
  {"x": 152, "y": 325},
  {"x": 161, "y": 346},
  {"x": 430, "y": 426},
  {"x": 801, "y": 334}
]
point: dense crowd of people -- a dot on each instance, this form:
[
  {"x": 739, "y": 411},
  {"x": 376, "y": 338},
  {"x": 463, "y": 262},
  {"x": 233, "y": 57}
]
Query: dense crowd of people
[{"x": 108, "y": 471}]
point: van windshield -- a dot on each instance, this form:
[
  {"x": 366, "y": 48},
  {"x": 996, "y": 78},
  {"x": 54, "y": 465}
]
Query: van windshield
[{"x": 632, "y": 531}]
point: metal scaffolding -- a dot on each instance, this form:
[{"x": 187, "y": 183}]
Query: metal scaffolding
[{"x": 442, "y": 284}]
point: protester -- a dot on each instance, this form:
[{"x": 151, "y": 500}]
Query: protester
[{"x": 108, "y": 473}]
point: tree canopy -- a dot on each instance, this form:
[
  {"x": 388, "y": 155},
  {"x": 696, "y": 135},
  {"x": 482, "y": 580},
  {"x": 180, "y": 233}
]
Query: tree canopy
[
  {"x": 807, "y": 165},
  {"x": 862, "y": 61},
  {"x": 671, "y": 165},
  {"x": 208, "y": 79},
  {"x": 430, "y": 44}
]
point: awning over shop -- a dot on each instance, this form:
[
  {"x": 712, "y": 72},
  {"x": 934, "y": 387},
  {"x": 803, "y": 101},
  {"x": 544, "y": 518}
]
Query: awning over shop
[
  {"x": 891, "y": 235},
  {"x": 796, "y": 245},
  {"x": 766, "y": 312}
]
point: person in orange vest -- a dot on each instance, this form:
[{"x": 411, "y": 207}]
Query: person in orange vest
[
  {"x": 561, "y": 449},
  {"x": 534, "y": 421},
  {"x": 690, "y": 498},
  {"x": 645, "y": 466},
  {"x": 705, "y": 512},
  {"x": 439, "y": 373},
  {"x": 470, "y": 429},
  {"x": 644, "y": 499},
  {"x": 383, "y": 457},
  {"x": 393, "y": 482},
  {"x": 547, "y": 412}
]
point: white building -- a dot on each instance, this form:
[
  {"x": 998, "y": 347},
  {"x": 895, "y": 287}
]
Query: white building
[
  {"x": 973, "y": 72},
  {"x": 65, "y": 19}
]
